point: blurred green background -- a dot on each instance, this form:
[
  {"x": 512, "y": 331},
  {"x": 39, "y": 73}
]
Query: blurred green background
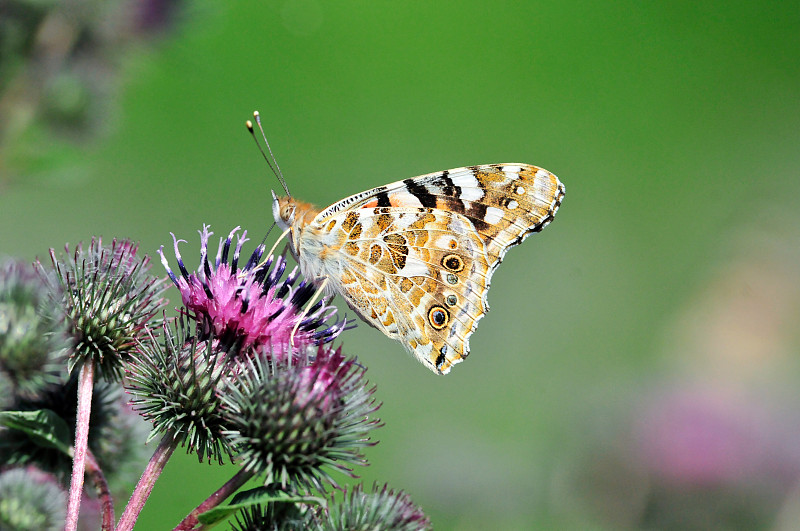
[{"x": 639, "y": 367}]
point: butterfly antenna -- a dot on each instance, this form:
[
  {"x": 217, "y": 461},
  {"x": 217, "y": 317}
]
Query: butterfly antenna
[{"x": 272, "y": 162}]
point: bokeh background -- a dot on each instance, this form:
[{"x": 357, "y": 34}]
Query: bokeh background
[{"x": 639, "y": 368}]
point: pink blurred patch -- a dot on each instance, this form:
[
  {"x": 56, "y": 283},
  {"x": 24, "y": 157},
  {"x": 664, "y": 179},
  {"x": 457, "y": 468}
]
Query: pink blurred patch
[{"x": 701, "y": 438}]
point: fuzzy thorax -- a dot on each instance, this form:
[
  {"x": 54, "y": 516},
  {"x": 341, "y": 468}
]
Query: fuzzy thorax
[{"x": 308, "y": 244}]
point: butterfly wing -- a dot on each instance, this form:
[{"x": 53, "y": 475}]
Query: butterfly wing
[
  {"x": 415, "y": 258},
  {"x": 418, "y": 276}
]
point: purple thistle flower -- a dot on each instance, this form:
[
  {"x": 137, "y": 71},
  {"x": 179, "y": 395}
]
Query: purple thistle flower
[
  {"x": 251, "y": 306},
  {"x": 322, "y": 381}
]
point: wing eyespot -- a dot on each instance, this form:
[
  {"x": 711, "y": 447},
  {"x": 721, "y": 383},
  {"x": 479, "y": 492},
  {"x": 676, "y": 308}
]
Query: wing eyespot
[
  {"x": 438, "y": 317},
  {"x": 453, "y": 262}
]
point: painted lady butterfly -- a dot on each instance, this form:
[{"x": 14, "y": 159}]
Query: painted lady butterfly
[{"x": 414, "y": 258}]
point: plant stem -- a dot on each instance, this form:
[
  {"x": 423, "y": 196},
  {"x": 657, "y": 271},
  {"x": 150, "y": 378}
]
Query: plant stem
[
  {"x": 146, "y": 482},
  {"x": 85, "y": 388},
  {"x": 94, "y": 471},
  {"x": 231, "y": 486}
]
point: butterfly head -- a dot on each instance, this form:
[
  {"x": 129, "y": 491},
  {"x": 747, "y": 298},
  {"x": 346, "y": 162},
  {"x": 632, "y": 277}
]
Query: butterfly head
[
  {"x": 293, "y": 215},
  {"x": 283, "y": 210}
]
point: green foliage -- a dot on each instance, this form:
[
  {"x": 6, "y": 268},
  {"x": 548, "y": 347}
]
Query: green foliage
[
  {"x": 248, "y": 499},
  {"x": 43, "y": 427}
]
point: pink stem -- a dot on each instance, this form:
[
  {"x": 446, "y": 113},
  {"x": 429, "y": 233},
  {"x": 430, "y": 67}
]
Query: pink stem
[
  {"x": 146, "y": 482},
  {"x": 231, "y": 486},
  {"x": 94, "y": 471},
  {"x": 85, "y": 388}
]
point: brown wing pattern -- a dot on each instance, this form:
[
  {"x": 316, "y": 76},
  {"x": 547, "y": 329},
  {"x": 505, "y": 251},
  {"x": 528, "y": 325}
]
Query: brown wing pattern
[{"x": 415, "y": 258}]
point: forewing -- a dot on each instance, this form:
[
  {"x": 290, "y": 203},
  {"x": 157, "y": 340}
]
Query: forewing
[{"x": 505, "y": 202}]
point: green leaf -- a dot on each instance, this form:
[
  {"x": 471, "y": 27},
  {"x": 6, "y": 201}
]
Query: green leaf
[
  {"x": 43, "y": 426},
  {"x": 248, "y": 498}
]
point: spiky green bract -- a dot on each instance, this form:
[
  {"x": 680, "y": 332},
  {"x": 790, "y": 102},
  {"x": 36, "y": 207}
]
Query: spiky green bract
[
  {"x": 31, "y": 500},
  {"x": 109, "y": 432},
  {"x": 382, "y": 508},
  {"x": 32, "y": 337},
  {"x": 175, "y": 380},
  {"x": 107, "y": 297},
  {"x": 292, "y": 418},
  {"x": 273, "y": 517}
]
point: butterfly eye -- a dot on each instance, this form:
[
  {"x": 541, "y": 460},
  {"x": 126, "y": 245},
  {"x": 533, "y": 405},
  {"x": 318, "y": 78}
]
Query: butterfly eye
[
  {"x": 287, "y": 212},
  {"x": 438, "y": 317}
]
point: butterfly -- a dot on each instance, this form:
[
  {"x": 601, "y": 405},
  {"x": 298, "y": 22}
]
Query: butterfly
[{"x": 414, "y": 258}]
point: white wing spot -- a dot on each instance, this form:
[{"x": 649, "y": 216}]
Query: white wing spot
[
  {"x": 520, "y": 190},
  {"x": 512, "y": 172},
  {"x": 512, "y": 204},
  {"x": 445, "y": 241},
  {"x": 493, "y": 215},
  {"x": 542, "y": 174},
  {"x": 414, "y": 268},
  {"x": 406, "y": 199},
  {"x": 403, "y": 221},
  {"x": 470, "y": 187},
  {"x": 471, "y": 194}
]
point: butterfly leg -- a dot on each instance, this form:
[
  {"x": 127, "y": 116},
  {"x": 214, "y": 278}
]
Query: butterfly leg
[
  {"x": 311, "y": 303},
  {"x": 275, "y": 246}
]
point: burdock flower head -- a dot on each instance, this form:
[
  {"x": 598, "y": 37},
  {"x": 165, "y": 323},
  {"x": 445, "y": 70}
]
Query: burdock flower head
[
  {"x": 292, "y": 419},
  {"x": 180, "y": 378},
  {"x": 175, "y": 382},
  {"x": 32, "y": 336},
  {"x": 251, "y": 306},
  {"x": 107, "y": 297},
  {"x": 31, "y": 499},
  {"x": 381, "y": 508}
]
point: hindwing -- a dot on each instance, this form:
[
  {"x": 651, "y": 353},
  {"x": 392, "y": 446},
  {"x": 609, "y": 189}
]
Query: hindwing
[{"x": 418, "y": 276}]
